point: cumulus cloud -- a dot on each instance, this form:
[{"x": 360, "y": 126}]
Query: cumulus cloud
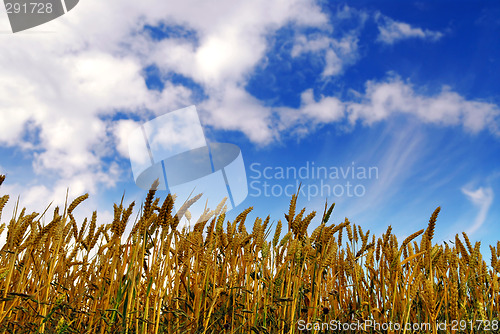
[
  {"x": 391, "y": 31},
  {"x": 59, "y": 91},
  {"x": 232, "y": 39},
  {"x": 382, "y": 99},
  {"x": 235, "y": 109},
  {"x": 337, "y": 53},
  {"x": 311, "y": 114}
]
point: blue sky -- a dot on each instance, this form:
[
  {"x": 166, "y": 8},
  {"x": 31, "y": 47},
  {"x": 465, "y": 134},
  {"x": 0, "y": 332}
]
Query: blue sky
[{"x": 409, "y": 89}]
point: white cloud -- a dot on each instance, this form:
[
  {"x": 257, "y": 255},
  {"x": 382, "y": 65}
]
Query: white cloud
[
  {"x": 379, "y": 102},
  {"x": 391, "y": 31},
  {"x": 310, "y": 114},
  {"x": 482, "y": 198},
  {"x": 233, "y": 108},
  {"x": 36, "y": 197},
  {"x": 382, "y": 99},
  {"x": 67, "y": 84},
  {"x": 232, "y": 40},
  {"x": 121, "y": 131},
  {"x": 326, "y": 110},
  {"x": 337, "y": 53}
]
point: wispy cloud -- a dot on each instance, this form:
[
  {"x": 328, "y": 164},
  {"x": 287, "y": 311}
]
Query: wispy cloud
[
  {"x": 396, "y": 154},
  {"x": 391, "y": 31},
  {"x": 482, "y": 198}
]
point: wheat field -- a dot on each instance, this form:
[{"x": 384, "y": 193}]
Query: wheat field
[{"x": 218, "y": 277}]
